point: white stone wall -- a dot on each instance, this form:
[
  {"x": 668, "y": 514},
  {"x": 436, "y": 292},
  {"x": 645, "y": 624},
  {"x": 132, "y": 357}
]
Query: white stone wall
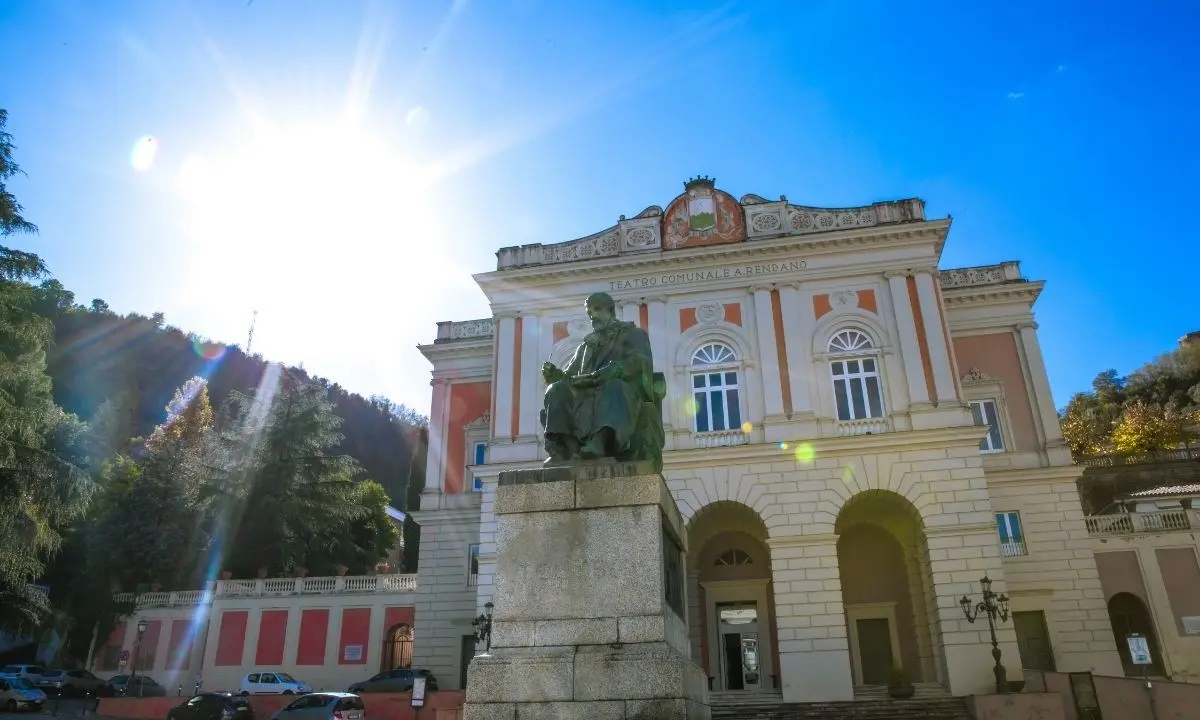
[{"x": 445, "y": 602}]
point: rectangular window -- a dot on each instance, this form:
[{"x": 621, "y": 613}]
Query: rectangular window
[
  {"x": 986, "y": 416},
  {"x": 717, "y": 401},
  {"x": 478, "y": 457},
  {"x": 1012, "y": 537},
  {"x": 856, "y": 389},
  {"x": 473, "y": 565}
]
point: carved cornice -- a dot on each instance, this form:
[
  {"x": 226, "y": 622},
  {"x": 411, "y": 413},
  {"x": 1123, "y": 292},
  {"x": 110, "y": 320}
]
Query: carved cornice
[
  {"x": 1030, "y": 325},
  {"x": 1026, "y": 292},
  {"x": 481, "y": 422},
  {"x": 975, "y": 375},
  {"x": 1005, "y": 272}
]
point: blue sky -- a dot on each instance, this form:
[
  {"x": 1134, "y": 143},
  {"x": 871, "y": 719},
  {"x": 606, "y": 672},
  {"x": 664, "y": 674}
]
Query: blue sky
[{"x": 342, "y": 167}]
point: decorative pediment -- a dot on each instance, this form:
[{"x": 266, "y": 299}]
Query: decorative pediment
[
  {"x": 975, "y": 375},
  {"x": 483, "y": 422},
  {"x": 705, "y": 215}
]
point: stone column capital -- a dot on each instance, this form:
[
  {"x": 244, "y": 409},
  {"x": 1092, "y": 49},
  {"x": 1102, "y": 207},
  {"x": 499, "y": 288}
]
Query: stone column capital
[
  {"x": 626, "y": 302},
  {"x": 756, "y": 289},
  {"x": 1027, "y": 325},
  {"x": 931, "y": 271},
  {"x": 896, "y": 274},
  {"x": 649, "y": 300},
  {"x": 506, "y": 314},
  {"x": 788, "y": 285}
]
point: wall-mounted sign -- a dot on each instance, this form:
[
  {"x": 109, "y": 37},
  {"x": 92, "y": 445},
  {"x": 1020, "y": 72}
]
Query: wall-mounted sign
[
  {"x": 1139, "y": 650},
  {"x": 418, "y": 694},
  {"x": 1191, "y": 624},
  {"x": 352, "y": 653}
]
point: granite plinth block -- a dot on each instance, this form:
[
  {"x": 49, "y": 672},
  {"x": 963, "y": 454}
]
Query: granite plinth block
[{"x": 588, "y": 620}]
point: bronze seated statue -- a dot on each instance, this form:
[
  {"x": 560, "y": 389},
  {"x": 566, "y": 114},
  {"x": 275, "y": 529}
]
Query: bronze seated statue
[{"x": 607, "y": 402}]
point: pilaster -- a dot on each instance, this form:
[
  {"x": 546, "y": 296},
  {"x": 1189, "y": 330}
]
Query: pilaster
[
  {"x": 435, "y": 467},
  {"x": 656, "y": 314},
  {"x": 939, "y": 353},
  {"x": 506, "y": 338},
  {"x": 531, "y": 380},
  {"x": 910, "y": 349},
  {"x": 797, "y": 338},
  {"x": 768, "y": 353},
  {"x": 628, "y": 310},
  {"x": 1043, "y": 399}
]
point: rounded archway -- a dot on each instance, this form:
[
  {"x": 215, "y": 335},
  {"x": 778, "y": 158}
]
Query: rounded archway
[
  {"x": 1129, "y": 615},
  {"x": 397, "y": 647},
  {"x": 883, "y": 564},
  {"x": 731, "y": 610}
]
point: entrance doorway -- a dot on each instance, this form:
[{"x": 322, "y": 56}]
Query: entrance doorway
[
  {"x": 741, "y": 645},
  {"x": 875, "y": 650}
]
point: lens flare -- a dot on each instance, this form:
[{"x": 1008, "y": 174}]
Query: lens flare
[
  {"x": 783, "y": 446},
  {"x": 747, "y": 427},
  {"x": 141, "y": 157},
  {"x": 805, "y": 453},
  {"x": 691, "y": 407},
  {"x": 208, "y": 350}
]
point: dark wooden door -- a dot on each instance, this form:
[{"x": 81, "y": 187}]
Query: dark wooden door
[
  {"x": 1033, "y": 640},
  {"x": 874, "y": 650}
]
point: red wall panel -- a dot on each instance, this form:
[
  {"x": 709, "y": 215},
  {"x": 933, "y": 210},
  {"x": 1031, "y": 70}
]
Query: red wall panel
[
  {"x": 179, "y": 646},
  {"x": 147, "y": 649},
  {"x": 356, "y": 631},
  {"x": 231, "y": 638},
  {"x": 272, "y": 628},
  {"x": 393, "y": 616},
  {"x": 314, "y": 629}
]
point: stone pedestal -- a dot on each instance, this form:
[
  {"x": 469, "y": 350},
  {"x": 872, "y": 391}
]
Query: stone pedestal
[{"x": 589, "y": 601}]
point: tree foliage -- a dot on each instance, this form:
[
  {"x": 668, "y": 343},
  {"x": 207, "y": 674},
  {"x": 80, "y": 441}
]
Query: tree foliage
[{"x": 1156, "y": 407}]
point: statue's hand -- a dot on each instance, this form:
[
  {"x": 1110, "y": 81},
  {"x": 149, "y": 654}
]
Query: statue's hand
[
  {"x": 585, "y": 381},
  {"x": 551, "y": 372}
]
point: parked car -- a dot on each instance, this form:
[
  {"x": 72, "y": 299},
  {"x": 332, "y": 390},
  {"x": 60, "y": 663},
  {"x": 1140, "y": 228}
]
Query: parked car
[
  {"x": 69, "y": 683},
  {"x": 16, "y": 692},
  {"x": 213, "y": 706},
  {"x": 272, "y": 682},
  {"x": 324, "y": 706},
  {"x": 32, "y": 673},
  {"x": 398, "y": 680},
  {"x": 142, "y": 686}
]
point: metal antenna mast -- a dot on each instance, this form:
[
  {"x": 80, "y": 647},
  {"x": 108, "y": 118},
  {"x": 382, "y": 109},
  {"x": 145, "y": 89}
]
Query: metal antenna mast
[{"x": 250, "y": 338}]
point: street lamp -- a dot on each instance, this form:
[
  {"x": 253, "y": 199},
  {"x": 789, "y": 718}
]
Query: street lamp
[
  {"x": 994, "y": 607},
  {"x": 483, "y": 627},
  {"x": 137, "y": 645}
]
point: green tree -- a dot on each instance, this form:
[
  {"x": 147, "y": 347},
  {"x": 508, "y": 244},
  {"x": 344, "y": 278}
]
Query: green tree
[
  {"x": 10, "y": 210},
  {"x": 1145, "y": 428},
  {"x": 274, "y": 484},
  {"x": 360, "y": 543}
]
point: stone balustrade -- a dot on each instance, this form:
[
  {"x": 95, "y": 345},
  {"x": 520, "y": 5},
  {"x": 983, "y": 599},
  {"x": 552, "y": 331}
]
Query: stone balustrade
[
  {"x": 274, "y": 587},
  {"x": 864, "y": 426},
  {"x": 1143, "y": 523},
  {"x": 1005, "y": 272},
  {"x": 465, "y": 330}
]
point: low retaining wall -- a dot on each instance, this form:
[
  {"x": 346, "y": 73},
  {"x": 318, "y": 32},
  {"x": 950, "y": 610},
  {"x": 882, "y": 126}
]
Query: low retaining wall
[
  {"x": 1017, "y": 706},
  {"x": 440, "y": 705}
]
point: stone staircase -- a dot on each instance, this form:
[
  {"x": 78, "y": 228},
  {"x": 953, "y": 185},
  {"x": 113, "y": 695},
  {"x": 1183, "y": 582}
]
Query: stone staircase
[{"x": 930, "y": 702}]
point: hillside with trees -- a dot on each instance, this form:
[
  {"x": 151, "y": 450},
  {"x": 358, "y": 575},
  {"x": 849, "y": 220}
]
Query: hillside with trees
[
  {"x": 1153, "y": 409},
  {"x": 135, "y": 455}
]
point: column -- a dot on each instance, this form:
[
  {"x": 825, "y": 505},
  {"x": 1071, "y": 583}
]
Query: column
[
  {"x": 531, "y": 375},
  {"x": 768, "y": 352},
  {"x": 935, "y": 335},
  {"x": 435, "y": 465},
  {"x": 656, "y": 315},
  {"x": 906, "y": 326},
  {"x": 1041, "y": 383},
  {"x": 814, "y": 650},
  {"x": 628, "y": 310},
  {"x": 506, "y": 339},
  {"x": 797, "y": 338}
]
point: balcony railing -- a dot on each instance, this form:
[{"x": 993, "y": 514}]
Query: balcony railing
[
  {"x": 1143, "y": 523},
  {"x": 1153, "y": 458},
  {"x": 1013, "y": 548},
  {"x": 720, "y": 438},
  {"x": 274, "y": 587},
  {"x": 864, "y": 426}
]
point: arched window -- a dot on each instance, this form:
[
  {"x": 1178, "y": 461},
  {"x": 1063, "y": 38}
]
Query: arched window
[
  {"x": 854, "y": 366},
  {"x": 397, "y": 647},
  {"x": 734, "y": 557},
  {"x": 715, "y": 388}
]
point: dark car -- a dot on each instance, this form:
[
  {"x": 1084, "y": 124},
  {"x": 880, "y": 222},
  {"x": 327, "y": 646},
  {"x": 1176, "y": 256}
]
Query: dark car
[
  {"x": 69, "y": 683},
  {"x": 395, "y": 681},
  {"x": 213, "y": 706},
  {"x": 142, "y": 686}
]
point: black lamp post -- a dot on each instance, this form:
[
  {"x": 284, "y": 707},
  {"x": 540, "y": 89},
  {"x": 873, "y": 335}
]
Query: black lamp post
[
  {"x": 483, "y": 627},
  {"x": 995, "y": 607},
  {"x": 137, "y": 646}
]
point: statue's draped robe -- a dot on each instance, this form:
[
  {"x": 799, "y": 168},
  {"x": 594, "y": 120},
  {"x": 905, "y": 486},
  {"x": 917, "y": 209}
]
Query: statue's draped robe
[{"x": 617, "y": 402}]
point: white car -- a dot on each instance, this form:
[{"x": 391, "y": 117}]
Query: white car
[
  {"x": 16, "y": 693},
  {"x": 272, "y": 682}
]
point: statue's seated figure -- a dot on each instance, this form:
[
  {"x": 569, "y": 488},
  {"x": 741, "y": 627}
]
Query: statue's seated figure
[{"x": 607, "y": 401}]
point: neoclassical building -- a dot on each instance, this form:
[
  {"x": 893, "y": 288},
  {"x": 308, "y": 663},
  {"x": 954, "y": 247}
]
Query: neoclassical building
[{"x": 855, "y": 438}]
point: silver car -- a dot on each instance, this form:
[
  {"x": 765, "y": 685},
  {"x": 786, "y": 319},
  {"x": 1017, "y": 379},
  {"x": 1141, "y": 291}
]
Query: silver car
[{"x": 324, "y": 706}]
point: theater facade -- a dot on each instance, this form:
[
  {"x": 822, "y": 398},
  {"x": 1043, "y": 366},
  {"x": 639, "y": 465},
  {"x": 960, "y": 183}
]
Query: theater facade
[{"x": 854, "y": 437}]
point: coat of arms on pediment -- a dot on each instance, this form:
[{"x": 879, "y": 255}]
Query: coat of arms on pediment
[{"x": 702, "y": 215}]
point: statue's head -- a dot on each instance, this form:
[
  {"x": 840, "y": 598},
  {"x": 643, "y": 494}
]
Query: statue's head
[{"x": 601, "y": 309}]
